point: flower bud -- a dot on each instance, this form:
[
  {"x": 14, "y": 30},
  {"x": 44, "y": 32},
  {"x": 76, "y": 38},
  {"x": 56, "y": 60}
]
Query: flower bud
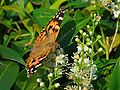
[
  {"x": 100, "y": 49},
  {"x": 56, "y": 85},
  {"x": 42, "y": 84},
  {"x": 84, "y": 33},
  {"x": 50, "y": 75},
  {"x": 81, "y": 31}
]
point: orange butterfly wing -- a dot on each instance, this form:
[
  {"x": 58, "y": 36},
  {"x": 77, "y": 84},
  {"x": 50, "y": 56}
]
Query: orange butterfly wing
[{"x": 44, "y": 43}]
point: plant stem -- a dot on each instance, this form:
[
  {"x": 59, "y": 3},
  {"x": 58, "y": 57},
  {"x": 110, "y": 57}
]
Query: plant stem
[
  {"x": 2, "y": 2},
  {"x": 116, "y": 30}
]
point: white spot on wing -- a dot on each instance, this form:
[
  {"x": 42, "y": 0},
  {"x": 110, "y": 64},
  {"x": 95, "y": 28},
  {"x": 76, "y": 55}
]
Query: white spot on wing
[
  {"x": 38, "y": 65},
  {"x": 35, "y": 71},
  {"x": 60, "y": 18},
  {"x": 63, "y": 12},
  {"x": 57, "y": 16},
  {"x": 31, "y": 70}
]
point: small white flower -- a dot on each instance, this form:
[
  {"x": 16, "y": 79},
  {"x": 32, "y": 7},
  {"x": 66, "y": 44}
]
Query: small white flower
[
  {"x": 84, "y": 33},
  {"x": 61, "y": 50},
  {"x": 42, "y": 84},
  {"x": 90, "y": 32},
  {"x": 86, "y": 61},
  {"x": 90, "y": 50},
  {"x": 100, "y": 49},
  {"x": 115, "y": 7},
  {"x": 74, "y": 69},
  {"x": 79, "y": 49},
  {"x": 38, "y": 80},
  {"x": 60, "y": 59},
  {"x": 72, "y": 87},
  {"x": 116, "y": 13},
  {"x": 92, "y": 71},
  {"x": 94, "y": 15},
  {"x": 90, "y": 41},
  {"x": 76, "y": 36},
  {"x": 86, "y": 48},
  {"x": 80, "y": 59},
  {"x": 50, "y": 75},
  {"x": 98, "y": 18},
  {"x": 81, "y": 31},
  {"x": 56, "y": 85},
  {"x": 88, "y": 26},
  {"x": 118, "y": 0},
  {"x": 77, "y": 39},
  {"x": 76, "y": 56},
  {"x": 112, "y": 4},
  {"x": 94, "y": 77}
]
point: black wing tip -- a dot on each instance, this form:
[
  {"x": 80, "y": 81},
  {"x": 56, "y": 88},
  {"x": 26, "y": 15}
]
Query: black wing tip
[{"x": 60, "y": 14}]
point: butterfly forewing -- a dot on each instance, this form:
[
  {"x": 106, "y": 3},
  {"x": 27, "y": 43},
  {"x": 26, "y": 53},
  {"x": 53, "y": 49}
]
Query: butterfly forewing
[{"x": 44, "y": 43}]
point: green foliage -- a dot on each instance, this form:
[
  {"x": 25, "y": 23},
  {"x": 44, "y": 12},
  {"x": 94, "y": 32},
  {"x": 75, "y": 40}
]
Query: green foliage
[
  {"x": 7, "y": 78},
  {"x": 22, "y": 20},
  {"x": 115, "y": 79}
]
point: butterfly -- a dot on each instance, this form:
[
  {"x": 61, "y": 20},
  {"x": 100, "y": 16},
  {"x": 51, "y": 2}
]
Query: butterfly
[{"x": 44, "y": 43}]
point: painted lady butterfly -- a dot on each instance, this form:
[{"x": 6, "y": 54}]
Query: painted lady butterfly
[{"x": 44, "y": 43}]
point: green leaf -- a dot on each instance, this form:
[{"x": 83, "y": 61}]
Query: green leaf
[
  {"x": 8, "y": 74},
  {"x": 25, "y": 22},
  {"x": 6, "y": 40},
  {"x": 37, "y": 28},
  {"x": 14, "y": 7},
  {"x": 7, "y": 23},
  {"x": 32, "y": 84},
  {"x": 108, "y": 23},
  {"x": 21, "y": 81},
  {"x": 43, "y": 3},
  {"x": 29, "y": 7},
  {"x": 116, "y": 41},
  {"x": 43, "y": 16},
  {"x": 19, "y": 49},
  {"x": 24, "y": 83},
  {"x": 66, "y": 32},
  {"x": 22, "y": 13},
  {"x": 78, "y": 4},
  {"x": 78, "y": 15},
  {"x": 115, "y": 77},
  {"x": 57, "y": 4},
  {"x": 1, "y": 12},
  {"x": 10, "y": 54},
  {"x": 80, "y": 23}
]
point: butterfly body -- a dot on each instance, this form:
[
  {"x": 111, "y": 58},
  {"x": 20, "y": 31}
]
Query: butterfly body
[{"x": 44, "y": 43}]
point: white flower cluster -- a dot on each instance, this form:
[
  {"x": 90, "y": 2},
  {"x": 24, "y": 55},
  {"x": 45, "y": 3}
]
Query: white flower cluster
[
  {"x": 61, "y": 58},
  {"x": 114, "y": 6},
  {"x": 115, "y": 9},
  {"x": 83, "y": 70},
  {"x": 55, "y": 61},
  {"x": 71, "y": 87}
]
